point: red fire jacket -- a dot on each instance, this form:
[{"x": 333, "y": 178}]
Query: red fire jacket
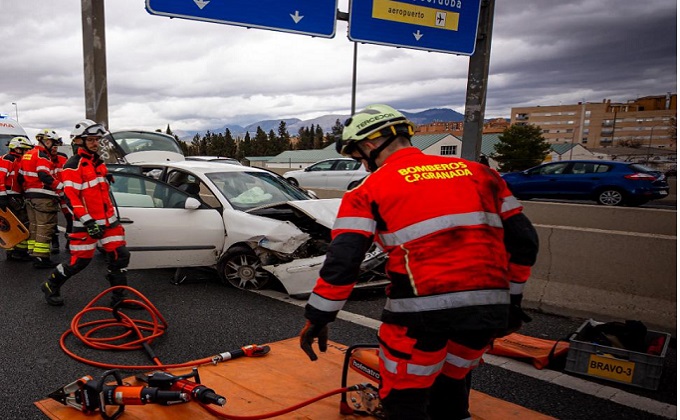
[
  {"x": 9, "y": 174},
  {"x": 37, "y": 171},
  {"x": 441, "y": 219},
  {"x": 87, "y": 190}
]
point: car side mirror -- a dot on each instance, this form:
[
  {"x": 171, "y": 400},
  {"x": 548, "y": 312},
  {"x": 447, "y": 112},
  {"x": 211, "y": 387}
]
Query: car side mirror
[
  {"x": 192, "y": 203},
  {"x": 311, "y": 194},
  {"x": 308, "y": 169}
]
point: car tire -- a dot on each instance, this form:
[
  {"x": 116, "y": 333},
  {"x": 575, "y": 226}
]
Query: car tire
[
  {"x": 293, "y": 181},
  {"x": 611, "y": 197},
  {"x": 242, "y": 269},
  {"x": 352, "y": 185}
]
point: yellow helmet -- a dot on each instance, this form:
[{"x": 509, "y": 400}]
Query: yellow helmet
[{"x": 370, "y": 123}]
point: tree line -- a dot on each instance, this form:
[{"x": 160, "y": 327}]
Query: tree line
[{"x": 261, "y": 144}]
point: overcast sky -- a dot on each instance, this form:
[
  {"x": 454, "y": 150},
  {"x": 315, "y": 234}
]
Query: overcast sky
[{"x": 197, "y": 75}]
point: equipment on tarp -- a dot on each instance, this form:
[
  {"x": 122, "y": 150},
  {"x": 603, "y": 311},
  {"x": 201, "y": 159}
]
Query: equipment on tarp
[
  {"x": 12, "y": 231},
  {"x": 91, "y": 395},
  {"x": 194, "y": 390},
  {"x": 363, "y": 359}
]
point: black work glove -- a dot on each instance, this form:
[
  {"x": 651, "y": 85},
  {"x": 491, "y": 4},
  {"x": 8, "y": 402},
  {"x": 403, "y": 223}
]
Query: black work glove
[
  {"x": 110, "y": 178},
  {"x": 94, "y": 230},
  {"x": 517, "y": 315},
  {"x": 309, "y": 333},
  {"x": 4, "y": 202}
]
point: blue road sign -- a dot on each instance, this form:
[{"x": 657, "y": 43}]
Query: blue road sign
[
  {"x": 448, "y": 26},
  {"x": 306, "y": 17}
]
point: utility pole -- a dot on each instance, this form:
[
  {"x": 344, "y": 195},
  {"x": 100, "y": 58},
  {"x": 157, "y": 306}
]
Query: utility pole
[
  {"x": 478, "y": 74},
  {"x": 94, "y": 60}
]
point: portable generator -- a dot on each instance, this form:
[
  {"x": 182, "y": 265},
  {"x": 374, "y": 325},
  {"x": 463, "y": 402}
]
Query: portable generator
[{"x": 363, "y": 359}]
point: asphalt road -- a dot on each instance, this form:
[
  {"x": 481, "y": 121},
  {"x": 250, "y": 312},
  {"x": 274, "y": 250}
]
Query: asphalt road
[{"x": 206, "y": 318}]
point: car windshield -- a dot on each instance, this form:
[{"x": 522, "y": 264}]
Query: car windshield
[{"x": 247, "y": 190}]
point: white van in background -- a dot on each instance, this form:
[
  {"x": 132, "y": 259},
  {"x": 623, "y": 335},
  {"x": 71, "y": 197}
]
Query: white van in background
[{"x": 9, "y": 129}]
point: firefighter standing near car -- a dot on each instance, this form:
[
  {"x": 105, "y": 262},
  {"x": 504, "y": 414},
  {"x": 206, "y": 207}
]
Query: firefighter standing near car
[
  {"x": 41, "y": 192},
  {"x": 86, "y": 186},
  {"x": 11, "y": 193},
  {"x": 460, "y": 251}
]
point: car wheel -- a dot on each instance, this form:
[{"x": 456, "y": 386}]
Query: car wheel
[
  {"x": 610, "y": 197},
  {"x": 242, "y": 269},
  {"x": 293, "y": 181},
  {"x": 353, "y": 185}
]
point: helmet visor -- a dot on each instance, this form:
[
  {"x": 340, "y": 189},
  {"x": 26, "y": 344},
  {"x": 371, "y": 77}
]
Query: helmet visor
[{"x": 95, "y": 130}]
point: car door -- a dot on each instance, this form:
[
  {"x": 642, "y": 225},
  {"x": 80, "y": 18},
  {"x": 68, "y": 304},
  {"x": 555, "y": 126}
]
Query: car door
[
  {"x": 162, "y": 227},
  {"x": 545, "y": 180},
  {"x": 584, "y": 178},
  {"x": 341, "y": 174},
  {"x": 316, "y": 176}
]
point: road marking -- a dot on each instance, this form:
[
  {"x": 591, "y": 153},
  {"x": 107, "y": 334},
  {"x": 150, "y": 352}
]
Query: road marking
[{"x": 567, "y": 381}]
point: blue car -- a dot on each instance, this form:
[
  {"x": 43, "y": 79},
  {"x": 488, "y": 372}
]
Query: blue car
[{"x": 610, "y": 183}]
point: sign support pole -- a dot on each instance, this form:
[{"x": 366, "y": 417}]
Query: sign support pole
[
  {"x": 478, "y": 73},
  {"x": 94, "y": 60}
]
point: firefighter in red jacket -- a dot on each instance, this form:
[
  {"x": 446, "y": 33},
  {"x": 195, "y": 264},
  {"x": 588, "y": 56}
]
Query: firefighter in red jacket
[
  {"x": 86, "y": 186},
  {"x": 41, "y": 192},
  {"x": 460, "y": 251},
  {"x": 11, "y": 193}
]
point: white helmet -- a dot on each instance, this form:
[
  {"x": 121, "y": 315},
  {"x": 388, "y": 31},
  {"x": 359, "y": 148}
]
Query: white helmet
[
  {"x": 48, "y": 134},
  {"x": 19, "y": 143},
  {"x": 86, "y": 128}
]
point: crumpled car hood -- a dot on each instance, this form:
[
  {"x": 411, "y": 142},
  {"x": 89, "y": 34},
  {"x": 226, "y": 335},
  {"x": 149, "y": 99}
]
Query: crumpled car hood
[{"x": 322, "y": 211}]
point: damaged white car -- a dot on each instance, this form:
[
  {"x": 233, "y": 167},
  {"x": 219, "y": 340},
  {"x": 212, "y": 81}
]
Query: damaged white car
[{"x": 248, "y": 223}]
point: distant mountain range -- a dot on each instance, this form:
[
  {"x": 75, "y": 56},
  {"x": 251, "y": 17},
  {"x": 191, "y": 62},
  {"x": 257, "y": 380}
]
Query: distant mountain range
[{"x": 325, "y": 121}]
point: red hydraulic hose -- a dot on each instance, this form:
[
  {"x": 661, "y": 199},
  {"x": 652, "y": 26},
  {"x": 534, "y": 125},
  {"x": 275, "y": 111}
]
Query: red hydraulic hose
[
  {"x": 143, "y": 332},
  {"x": 282, "y": 411}
]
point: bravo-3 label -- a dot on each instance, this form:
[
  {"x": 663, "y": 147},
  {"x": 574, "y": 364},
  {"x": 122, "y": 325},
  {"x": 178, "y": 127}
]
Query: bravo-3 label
[{"x": 606, "y": 367}]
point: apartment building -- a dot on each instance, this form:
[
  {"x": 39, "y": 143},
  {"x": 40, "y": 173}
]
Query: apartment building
[
  {"x": 643, "y": 122},
  {"x": 496, "y": 125}
]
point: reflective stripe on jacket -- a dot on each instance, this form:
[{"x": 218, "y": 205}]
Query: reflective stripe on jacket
[
  {"x": 441, "y": 221},
  {"x": 37, "y": 170},
  {"x": 87, "y": 190},
  {"x": 9, "y": 174}
]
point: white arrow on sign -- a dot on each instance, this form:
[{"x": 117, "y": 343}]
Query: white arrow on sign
[
  {"x": 201, "y": 3},
  {"x": 296, "y": 17},
  {"x": 418, "y": 35}
]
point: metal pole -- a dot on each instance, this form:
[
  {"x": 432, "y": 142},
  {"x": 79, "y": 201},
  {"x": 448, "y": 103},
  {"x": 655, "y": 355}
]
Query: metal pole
[
  {"x": 478, "y": 73},
  {"x": 16, "y": 110},
  {"x": 354, "y": 80},
  {"x": 94, "y": 61}
]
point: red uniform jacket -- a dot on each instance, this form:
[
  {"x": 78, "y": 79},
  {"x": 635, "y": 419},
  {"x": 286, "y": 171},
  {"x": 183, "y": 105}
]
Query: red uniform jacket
[
  {"x": 441, "y": 219},
  {"x": 9, "y": 174},
  {"x": 37, "y": 171},
  {"x": 87, "y": 190}
]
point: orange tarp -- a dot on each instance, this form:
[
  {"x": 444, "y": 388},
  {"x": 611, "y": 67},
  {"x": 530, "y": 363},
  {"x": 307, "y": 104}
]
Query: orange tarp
[{"x": 280, "y": 379}]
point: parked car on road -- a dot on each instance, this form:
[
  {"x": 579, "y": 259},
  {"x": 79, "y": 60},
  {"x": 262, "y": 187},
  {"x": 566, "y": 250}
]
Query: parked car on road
[
  {"x": 248, "y": 223},
  {"x": 610, "y": 183},
  {"x": 335, "y": 174}
]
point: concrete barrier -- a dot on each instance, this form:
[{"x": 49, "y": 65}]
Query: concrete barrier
[{"x": 606, "y": 275}]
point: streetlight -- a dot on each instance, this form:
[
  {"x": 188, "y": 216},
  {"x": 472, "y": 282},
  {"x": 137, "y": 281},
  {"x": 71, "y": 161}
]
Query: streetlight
[{"x": 16, "y": 110}]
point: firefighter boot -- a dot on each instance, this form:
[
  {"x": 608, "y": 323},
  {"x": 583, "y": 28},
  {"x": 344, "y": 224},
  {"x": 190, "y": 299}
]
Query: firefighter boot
[
  {"x": 51, "y": 288},
  {"x": 118, "y": 296},
  {"x": 18, "y": 255},
  {"x": 44, "y": 262},
  {"x": 54, "y": 246}
]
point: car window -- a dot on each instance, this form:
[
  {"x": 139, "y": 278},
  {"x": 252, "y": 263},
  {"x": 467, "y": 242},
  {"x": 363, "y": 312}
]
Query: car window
[
  {"x": 130, "y": 190},
  {"x": 322, "y": 166},
  {"x": 343, "y": 165},
  {"x": 247, "y": 190},
  {"x": 193, "y": 186},
  {"x": 588, "y": 168},
  {"x": 550, "y": 169}
]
